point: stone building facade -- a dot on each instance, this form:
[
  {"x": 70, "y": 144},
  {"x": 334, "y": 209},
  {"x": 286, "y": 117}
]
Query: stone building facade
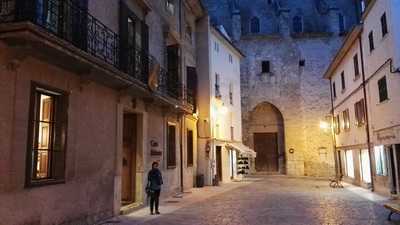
[
  {"x": 92, "y": 92},
  {"x": 287, "y": 44}
]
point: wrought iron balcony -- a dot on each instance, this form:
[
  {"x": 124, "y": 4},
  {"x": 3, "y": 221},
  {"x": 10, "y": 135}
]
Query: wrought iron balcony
[{"x": 71, "y": 22}]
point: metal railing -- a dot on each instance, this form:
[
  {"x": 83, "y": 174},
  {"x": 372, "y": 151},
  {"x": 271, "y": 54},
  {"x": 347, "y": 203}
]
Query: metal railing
[{"x": 74, "y": 24}]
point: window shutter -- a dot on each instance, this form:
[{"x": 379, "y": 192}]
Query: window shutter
[
  {"x": 123, "y": 36},
  {"x": 362, "y": 111},
  {"x": 59, "y": 147},
  {"x": 145, "y": 50},
  {"x": 171, "y": 154},
  {"x": 357, "y": 114},
  {"x": 190, "y": 147},
  {"x": 80, "y": 23}
]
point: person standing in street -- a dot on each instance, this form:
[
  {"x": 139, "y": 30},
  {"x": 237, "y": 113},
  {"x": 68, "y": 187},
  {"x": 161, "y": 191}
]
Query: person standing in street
[{"x": 153, "y": 188}]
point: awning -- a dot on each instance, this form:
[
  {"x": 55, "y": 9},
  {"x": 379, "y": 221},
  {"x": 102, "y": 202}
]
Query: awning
[{"x": 243, "y": 149}]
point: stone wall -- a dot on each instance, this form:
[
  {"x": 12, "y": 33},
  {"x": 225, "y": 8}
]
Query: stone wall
[{"x": 298, "y": 92}]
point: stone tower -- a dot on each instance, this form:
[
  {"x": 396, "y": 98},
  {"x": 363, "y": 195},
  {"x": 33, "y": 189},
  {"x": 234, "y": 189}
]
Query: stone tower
[{"x": 288, "y": 44}]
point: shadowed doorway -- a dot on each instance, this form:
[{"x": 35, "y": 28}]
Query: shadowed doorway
[{"x": 266, "y": 129}]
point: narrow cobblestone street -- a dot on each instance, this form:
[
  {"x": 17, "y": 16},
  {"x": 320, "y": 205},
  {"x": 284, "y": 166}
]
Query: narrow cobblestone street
[{"x": 272, "y": 200}]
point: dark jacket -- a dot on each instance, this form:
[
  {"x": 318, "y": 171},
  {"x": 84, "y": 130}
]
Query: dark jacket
[{"x": 154, "y": 180}]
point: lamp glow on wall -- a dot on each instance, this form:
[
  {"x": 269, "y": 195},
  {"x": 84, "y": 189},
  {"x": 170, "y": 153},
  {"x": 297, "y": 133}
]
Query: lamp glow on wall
[{"x": 326, "y": 125}]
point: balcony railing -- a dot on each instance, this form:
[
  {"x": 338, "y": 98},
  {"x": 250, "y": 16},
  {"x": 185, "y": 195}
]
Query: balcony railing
[{"x": 72, "y": 23}]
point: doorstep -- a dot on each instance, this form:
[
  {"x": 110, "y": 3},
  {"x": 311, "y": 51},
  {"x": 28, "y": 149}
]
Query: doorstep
[{"x": 127, "y": 209}]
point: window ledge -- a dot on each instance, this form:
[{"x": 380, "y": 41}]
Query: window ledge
[
  {"x": 343, "y": 91},
  {"x": 357, "y": 77},
  {"x": 383, "y": 102},
  {"x": 171, "y": 167},
  {"x": 41, "y": 183}
]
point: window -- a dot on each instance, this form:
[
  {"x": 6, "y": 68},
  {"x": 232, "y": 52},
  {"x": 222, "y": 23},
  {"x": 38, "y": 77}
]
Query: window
[
  {"x": 297, "y": 24},
  {"x": 230, "y": 58},
  {"x": 302, "y": 63},
  {"x": 216, "y": 46},
  {"x": 383, "y": 92},
  {"x": 232, "y": 133},
  {"x": 255, "y": 25},
  {"x": 217, "y": 86},
  {"x": 384, "y": 25},
  {"x": 365, "y": 169},
  {"x": 336, "y": 124},
  {"x": 342, "y": 26},
  {"x": 356, "y": 66},
  {"x": 342, "y": 78},
  {"x": 189, "y": 33},
  {"x": 47, "y": 135},
  {"x": 349, "y": 163},
  {"x": 334, "y": 90},
  {"x": 189, "y": 148},
  {"x": 231, "y": 94},
  {"x": 346, "y": 120},
  {"x": 171, "y": 146},
  {"x": 169, "y": 5},
  {"x": 359, "y": 109},
  {"x": 371, "y": 41},
  {"x": 380, "y": 160},
  {"x": 265, "y": 67}
]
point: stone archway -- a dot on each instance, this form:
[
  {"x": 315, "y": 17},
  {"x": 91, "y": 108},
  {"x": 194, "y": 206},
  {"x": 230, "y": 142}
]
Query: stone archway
[{"x": 266, "y": 134}]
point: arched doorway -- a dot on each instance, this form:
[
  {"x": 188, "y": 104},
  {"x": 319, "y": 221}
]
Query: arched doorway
[{"x": 266, "y": 130}]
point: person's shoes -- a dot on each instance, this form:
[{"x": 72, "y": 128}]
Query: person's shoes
[
  {"x": 158, "y": 213},
  {"x": 151, "y": 213}
]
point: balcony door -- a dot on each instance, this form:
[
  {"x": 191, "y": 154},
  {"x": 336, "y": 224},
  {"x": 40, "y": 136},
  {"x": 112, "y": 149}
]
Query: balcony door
[
  {"x": 173, "y": 70},
  {"x": 134, "y": 44},
  {"x": 67, "y": 19}
]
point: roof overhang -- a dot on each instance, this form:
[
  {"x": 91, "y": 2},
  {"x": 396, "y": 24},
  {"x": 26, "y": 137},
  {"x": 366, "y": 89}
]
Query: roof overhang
[{"x": 344, "y": 49}]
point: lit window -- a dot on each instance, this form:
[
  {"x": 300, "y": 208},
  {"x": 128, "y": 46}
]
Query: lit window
[
  {"x": 47, "y": 135},
  {"x": 380, "y": 160},
  {"x": 346, "y": 120},
  {"x": 365, "y": 168},
  {"x": 359, "y": 109},
  {"x": 349, "y": 163}
]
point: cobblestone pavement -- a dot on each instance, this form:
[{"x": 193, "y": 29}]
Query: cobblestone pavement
[{"x": 273, "y": 200}]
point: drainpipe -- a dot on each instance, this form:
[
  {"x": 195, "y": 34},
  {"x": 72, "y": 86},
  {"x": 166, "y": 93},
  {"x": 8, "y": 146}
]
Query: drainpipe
[
  {"x": 366, "y": 113},
  {"x": 181, "y": 149},
  {"x": 338, "y": 168},
  {"x": 182, "y": 91}
]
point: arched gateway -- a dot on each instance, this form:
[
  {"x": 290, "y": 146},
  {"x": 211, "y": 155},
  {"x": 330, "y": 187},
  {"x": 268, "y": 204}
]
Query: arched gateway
[{"x": 267, "y": 134}]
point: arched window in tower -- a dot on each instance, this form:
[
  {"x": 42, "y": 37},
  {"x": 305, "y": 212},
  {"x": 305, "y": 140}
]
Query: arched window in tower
[
  {"x": 255, "y": 25},
  {"x": 297, "y": 24},
  {"x": 342, "y": 26}
]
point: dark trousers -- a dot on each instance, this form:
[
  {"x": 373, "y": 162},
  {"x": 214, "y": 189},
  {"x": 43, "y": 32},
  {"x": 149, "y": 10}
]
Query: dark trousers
[{"x": 154, "y": 200}]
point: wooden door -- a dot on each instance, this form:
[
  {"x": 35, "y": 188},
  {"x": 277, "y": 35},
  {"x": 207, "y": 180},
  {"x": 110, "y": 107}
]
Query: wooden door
[
  {"x": 266, "y": 146},
  {"x": 129, "y": 159},
  {"x": 218, "y": 154}
]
